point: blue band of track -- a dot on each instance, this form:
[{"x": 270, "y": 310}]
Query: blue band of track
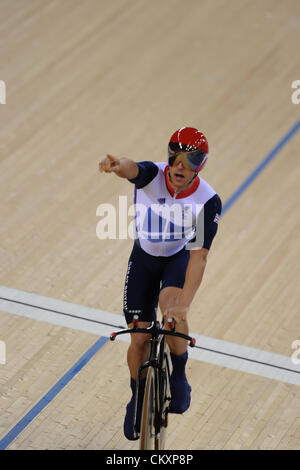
[
  {"x": 242, "y": 188},
  {"x": 18, "y": 428}
]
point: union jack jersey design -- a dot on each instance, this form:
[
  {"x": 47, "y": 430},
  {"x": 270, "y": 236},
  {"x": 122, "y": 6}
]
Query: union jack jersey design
[{"x": 166, "y": 222}]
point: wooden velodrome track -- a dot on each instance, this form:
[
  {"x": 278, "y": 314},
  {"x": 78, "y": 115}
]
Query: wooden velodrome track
[{"x": 87, "y": 78}]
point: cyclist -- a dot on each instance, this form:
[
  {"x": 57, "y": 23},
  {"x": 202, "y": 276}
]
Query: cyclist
[{"x": 176, "y": 219}]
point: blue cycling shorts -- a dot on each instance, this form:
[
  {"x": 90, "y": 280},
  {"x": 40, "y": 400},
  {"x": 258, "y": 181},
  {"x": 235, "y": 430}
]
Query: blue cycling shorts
[{"x": 146, "y": 276}]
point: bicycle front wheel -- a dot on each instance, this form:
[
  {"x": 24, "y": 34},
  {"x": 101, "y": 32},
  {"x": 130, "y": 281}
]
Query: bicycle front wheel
[
  {"x": 147, "y": 437},
  {"x": 164, "y": 396}
]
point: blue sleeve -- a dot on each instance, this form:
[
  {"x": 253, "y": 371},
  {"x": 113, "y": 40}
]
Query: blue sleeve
[
  {"x": 147, "y": 172},
  {"x": 208, "y": 222},
  {"x": 212, "y": 214}
]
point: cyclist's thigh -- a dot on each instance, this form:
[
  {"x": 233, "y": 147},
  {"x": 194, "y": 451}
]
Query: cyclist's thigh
[
  {"x": 173, "y": 278},
  {"x": 174, "y": 271},
  {"x": 141, "y": 288}
]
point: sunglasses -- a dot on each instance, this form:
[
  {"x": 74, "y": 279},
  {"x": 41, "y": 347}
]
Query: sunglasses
[{"x": 190, "y": 157}]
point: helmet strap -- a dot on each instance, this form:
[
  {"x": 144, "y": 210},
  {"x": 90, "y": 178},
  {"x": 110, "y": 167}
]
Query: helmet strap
[{"x": 195, "y": 175}]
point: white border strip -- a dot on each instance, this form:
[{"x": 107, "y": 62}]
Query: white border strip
[{"x": 210, "y": 350}]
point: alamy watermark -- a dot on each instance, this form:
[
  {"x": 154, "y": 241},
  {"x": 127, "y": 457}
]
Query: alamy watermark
[
  {"x": 2, "y": 353},
  {"x": 296, "y": 94},
  {"x": 157, "y": 222},
  {"x": 296, "y": 353},
  {"x": 2, "y": 92}
]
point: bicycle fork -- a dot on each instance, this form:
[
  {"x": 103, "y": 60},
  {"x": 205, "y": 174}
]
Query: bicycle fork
[{"x": 160, "y": 381}]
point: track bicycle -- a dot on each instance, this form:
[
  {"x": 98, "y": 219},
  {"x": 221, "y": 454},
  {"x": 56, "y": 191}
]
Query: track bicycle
[{"x": 157, "y": 394}]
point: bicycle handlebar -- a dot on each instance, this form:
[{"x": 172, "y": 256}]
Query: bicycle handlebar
[{"x": 155, "y": 330}]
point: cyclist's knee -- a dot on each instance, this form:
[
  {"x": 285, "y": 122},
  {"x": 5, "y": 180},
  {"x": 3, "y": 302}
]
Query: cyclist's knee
[
  {"x": 167, "y": 297},
  {"x": 140, "y": 340}
]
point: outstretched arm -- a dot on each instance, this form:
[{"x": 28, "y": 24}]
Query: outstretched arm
[{"x": 122, "y": 167}]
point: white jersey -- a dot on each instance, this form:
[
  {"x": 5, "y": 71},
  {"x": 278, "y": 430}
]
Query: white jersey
[{"x": 165, "y": 221}]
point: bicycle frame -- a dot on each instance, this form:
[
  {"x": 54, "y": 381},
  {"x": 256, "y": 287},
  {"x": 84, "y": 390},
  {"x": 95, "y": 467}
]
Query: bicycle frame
[
  {"x": 158, "y": 339},
  {"x": 157, "y": 343}
]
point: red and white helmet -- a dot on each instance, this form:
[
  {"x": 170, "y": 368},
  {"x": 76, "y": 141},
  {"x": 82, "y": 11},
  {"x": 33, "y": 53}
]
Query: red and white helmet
[{"x": 190, "y": 146}]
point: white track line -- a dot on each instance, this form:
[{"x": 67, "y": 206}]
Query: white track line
[{"x": 98, "y": 322}]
